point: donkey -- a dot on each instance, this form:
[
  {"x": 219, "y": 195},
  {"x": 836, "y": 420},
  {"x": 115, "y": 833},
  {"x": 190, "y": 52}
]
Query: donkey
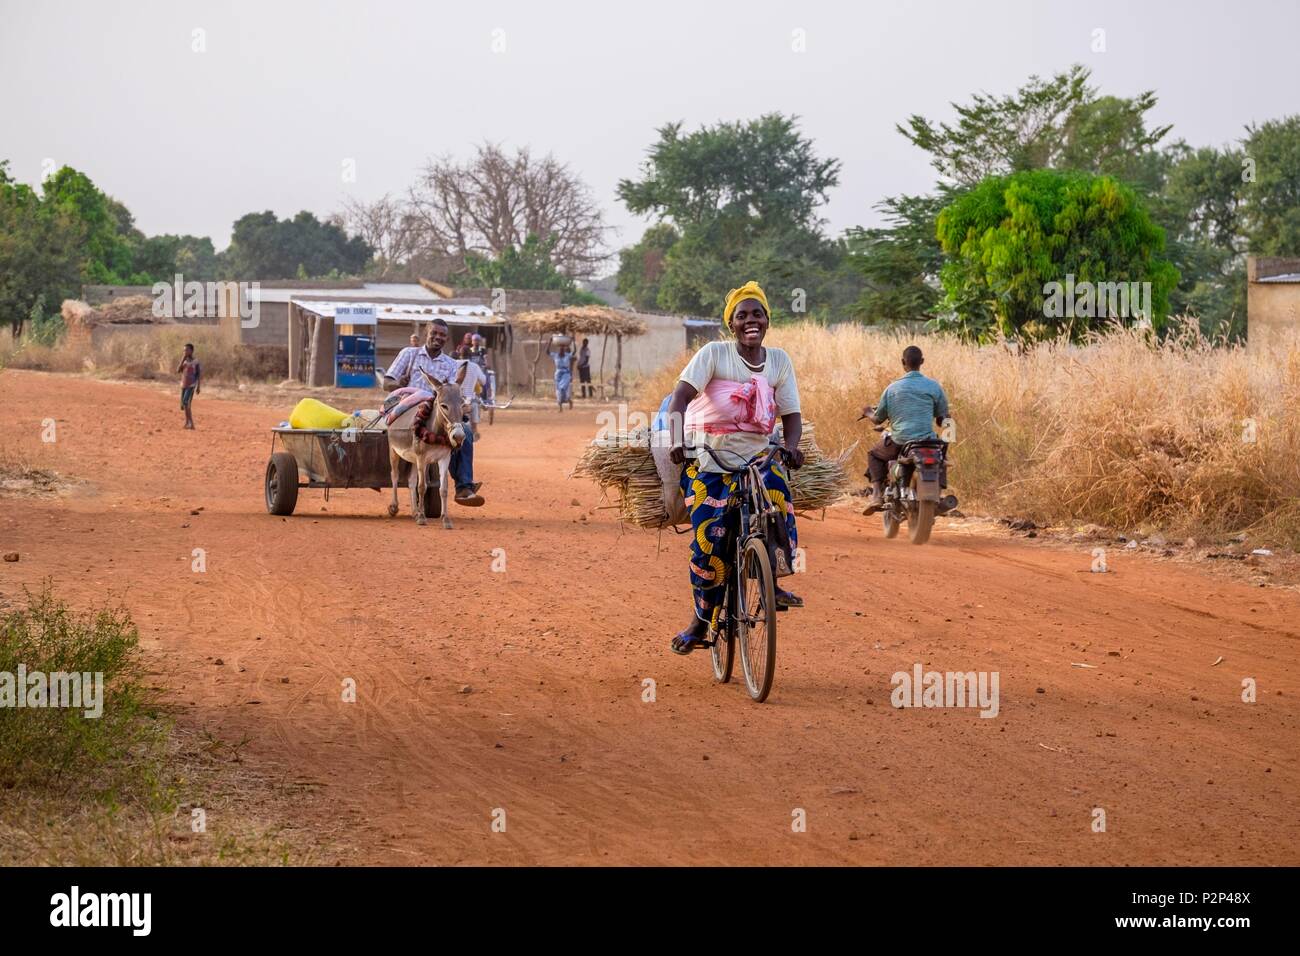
[{"x": 403, "y": 443}]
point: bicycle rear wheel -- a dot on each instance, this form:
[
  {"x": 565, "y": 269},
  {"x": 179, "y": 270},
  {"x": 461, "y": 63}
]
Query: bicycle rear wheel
[{"x": 756, "y": 618}]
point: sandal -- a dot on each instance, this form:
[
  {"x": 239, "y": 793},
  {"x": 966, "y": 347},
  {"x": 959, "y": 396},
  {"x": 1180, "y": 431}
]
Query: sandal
[
  {"x": 788, "y": 599},
  {"x": 686, "y": 641}
]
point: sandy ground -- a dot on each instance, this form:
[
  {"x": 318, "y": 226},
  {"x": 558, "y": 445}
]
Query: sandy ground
[{"x": 520, "y": 695}]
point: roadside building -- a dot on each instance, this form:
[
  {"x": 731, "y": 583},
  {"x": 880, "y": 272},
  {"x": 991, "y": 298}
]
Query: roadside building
[
  {"x": 319, "y": 329},
  {"x": 1272, "y": 299}
]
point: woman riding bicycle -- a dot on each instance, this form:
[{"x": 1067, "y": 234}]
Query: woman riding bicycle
[{"x": 735, "y": 389}]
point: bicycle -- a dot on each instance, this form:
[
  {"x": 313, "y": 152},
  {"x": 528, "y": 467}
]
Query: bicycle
[{"x": 747, "y": 615}]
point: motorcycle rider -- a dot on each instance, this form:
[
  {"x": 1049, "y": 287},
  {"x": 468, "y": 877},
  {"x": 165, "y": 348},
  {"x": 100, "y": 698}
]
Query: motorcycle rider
[{"x": 912, "y": 405}]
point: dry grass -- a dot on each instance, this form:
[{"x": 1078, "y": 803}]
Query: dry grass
[
  {"x": 151, "y": 356},
  {"x": 623, "y": 463},
  {"x": 1121, "y": 432}
]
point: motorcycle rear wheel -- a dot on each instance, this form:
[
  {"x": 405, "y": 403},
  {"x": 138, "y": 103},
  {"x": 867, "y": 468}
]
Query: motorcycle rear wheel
[{"x": 921, "y": 521}]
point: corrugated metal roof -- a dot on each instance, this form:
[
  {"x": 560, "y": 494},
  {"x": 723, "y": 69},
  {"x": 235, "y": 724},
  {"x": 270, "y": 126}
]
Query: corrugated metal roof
[
  {"x": 272, "y": 294},
  {"x": 1287, "y": 277},
  {"x": 414, "y": 312},
  {"x": 388, "y": 290},
  {"x": 402, "y": 290}
]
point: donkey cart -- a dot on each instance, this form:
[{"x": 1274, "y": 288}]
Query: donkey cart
[{"x": 329, "y": 458}]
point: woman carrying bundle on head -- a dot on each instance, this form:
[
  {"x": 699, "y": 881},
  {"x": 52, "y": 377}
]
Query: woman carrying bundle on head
[{"x": 728, "y": 398}]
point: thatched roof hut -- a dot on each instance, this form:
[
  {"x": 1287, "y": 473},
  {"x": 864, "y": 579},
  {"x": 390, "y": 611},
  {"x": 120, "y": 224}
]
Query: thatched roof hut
[
  {"x": 583, "y": 320},
  {"x": 580, "y": 320}
]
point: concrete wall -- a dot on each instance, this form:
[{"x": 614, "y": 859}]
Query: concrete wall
[
  {"x": 1272, "y": 308},
  {"x": 512, "y": 301},
  {"x": 298, "y": 331},
  {"x": 272, "y": 326}
]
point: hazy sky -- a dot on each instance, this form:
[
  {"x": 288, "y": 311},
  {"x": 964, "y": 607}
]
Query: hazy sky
[{"x": 287, "y": 90}]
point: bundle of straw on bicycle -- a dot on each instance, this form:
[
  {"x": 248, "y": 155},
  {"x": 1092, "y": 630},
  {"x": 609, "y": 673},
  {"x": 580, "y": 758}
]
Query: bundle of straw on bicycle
[{"x": 623, "y": 462}]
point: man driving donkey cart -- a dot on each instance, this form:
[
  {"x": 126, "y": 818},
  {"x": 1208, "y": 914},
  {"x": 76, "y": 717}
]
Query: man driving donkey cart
[{"x": 425, "y": 369}]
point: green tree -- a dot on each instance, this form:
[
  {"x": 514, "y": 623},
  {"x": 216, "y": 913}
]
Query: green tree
[
  {"x": 1010, "y": 237},
  {"x": 44, "y": 328},
  {"x": 109, "y": 232},
  {"x": 527, "y": 266},
  {"x": 742, "y": 200},
  {"x": 159, "y": 258},
  {"x": 1199, "y": 206},
  {"x": 40, "y": 252},
  {"x": 899, "y": 261},
  {"x": 764, "y": 168},
  {"x": 264, "y": 247},
  {"x": 641, "y": 267},
  {"x": 1057, "y": 123},
  {"x": 1271, "y": 200}
]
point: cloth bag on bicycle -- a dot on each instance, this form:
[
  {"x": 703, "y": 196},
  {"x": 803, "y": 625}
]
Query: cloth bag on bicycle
[{"x": 670, "y": 473}]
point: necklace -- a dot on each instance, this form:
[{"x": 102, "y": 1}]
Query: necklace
[{"x": 752, "y": 368}]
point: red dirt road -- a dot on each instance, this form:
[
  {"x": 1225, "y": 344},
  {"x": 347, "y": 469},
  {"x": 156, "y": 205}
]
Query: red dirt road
[{"x": 554, "y": 730}]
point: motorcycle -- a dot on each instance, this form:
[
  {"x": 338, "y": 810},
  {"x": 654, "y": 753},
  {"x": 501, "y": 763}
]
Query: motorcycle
[{"x": 914, "y": 489}]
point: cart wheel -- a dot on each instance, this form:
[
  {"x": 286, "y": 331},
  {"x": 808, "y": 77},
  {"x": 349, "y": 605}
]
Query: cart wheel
[
  {"x": 432, "y": 497},
  {"x": 281, "y": 483}
]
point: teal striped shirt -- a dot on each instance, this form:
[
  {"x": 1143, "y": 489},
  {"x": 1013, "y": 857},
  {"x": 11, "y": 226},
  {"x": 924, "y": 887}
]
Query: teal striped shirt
[{"x": 911, "y": 404}]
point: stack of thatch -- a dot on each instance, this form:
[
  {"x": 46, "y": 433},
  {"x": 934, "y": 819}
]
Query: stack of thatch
[
  {"x": 579, "y": 320},
  {"x": 76, "y": 313},
  {"x": 623, "y": 462},
  {"x": 129, "y": 310}
]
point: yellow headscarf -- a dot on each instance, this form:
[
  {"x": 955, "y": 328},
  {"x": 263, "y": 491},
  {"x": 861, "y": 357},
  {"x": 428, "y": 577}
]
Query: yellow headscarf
[{"x": 750, "y": 290}]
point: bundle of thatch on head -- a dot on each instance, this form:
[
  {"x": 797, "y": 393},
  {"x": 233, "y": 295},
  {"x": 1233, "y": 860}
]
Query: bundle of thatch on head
[{"x": 578, "y": 320}]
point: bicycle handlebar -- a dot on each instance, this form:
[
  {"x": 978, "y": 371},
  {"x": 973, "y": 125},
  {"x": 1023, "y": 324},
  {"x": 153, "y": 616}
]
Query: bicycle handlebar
[{"x": 773, "y": 450}]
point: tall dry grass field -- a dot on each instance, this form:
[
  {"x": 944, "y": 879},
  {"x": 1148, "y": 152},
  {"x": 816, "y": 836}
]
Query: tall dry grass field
[
  {"x": 150, "y": 356},
  {"x": 1181, "y": 436}
]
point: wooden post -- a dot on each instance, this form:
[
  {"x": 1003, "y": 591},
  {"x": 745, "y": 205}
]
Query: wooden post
[
  {"x": 536, "y": 361},
  {"x": 604, "y": 344},
  {"x": 618, "y": 367},
  {"x": 315, "y": 341}
]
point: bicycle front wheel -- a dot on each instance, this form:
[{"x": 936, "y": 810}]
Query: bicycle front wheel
[{"x": 756, "y": 618}]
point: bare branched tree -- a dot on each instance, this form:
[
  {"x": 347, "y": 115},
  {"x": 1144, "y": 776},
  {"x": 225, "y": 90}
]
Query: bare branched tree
[
  {"x": 495, "y": 201},
  {"x": 388, "y": 226}
]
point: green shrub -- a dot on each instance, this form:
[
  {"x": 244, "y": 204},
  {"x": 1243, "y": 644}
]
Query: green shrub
[{"x": 116, "y": 755}]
